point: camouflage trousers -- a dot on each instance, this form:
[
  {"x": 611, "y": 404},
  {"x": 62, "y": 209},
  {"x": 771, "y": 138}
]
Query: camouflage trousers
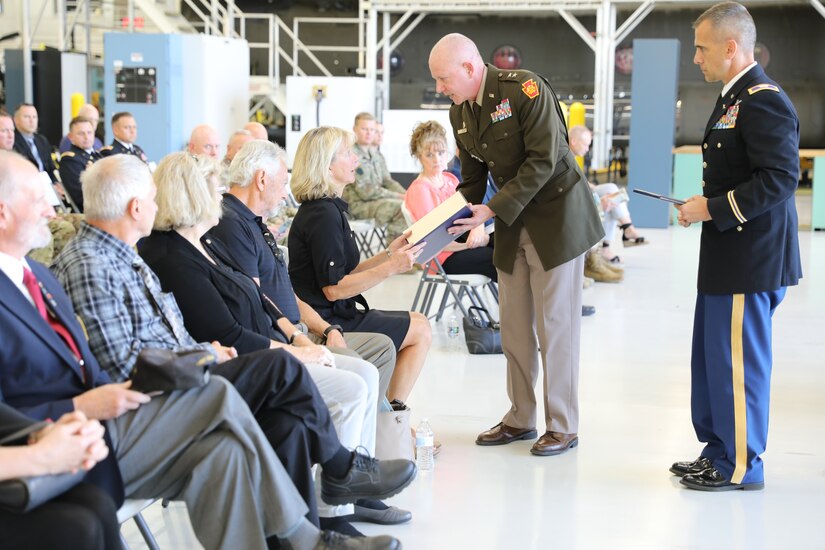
[
  {"x": 63, "y": 228},
  {"x": 385, "y": 212}
]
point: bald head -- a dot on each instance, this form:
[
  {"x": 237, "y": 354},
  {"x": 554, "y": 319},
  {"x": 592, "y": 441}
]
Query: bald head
[
  {"x": 204, "y": 141},
  {"x": 90, "y": 112},
  {"x": 257, "y": 130},
  {"x": 457, "y": 68}
]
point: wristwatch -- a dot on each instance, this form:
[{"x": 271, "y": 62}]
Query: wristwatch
[{"x": 330, "y": 329}]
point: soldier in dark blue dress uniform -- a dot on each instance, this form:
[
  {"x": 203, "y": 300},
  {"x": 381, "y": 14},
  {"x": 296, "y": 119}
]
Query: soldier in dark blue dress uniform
[
  {"x": 749, "y": 252},
  {"x": 124, "y": 127},
  {"x": 80, "y": 156}
]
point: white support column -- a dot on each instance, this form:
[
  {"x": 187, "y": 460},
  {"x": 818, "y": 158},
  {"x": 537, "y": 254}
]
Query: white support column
[
  {"x": 385, "y": 73},
  {"x": 604, "y": 76},
  {"x": 60, "y": 6},
  {"x": 817, "y": 5},
  {"x": 372, "y": 39},
  {"x": 28, "y": 94}
]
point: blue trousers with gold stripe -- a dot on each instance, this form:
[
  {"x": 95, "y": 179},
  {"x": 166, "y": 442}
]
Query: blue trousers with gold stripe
[{"x": 730, "y": 380}]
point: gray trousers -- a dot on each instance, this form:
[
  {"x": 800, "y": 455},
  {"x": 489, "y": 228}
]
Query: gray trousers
[
  {"x": 372, "y": 347},
  {"x": 204, "y": 447},
  {"x": 541, "y": 327}
]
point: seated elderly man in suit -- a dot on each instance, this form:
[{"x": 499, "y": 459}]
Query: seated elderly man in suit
[
  {"x": 120, "y": 300},
  {"x": 35, "y": 147},
  {"x": 201, "y": 446}
]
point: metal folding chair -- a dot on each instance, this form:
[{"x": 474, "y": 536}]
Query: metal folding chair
[{"x": 132, "y": 509}]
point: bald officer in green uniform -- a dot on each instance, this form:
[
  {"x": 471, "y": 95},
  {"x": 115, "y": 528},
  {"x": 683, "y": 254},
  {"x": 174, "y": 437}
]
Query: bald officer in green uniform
[{"x": 509, "y": 123}]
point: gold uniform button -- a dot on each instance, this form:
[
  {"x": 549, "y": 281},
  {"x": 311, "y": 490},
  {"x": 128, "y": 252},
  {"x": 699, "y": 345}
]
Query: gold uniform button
[
  {"x": 560, "y": 189},
  {"x": 704, "y": 165},
  {"x": 739, "y": 228},
  {"x": 483, "y": 145},
  {"x": 506, "y": 134},
  {"x": 491, "y": 164},
  {"x": 501, "y": 180},
  {"x": 705, "y": 146},
  {"x": 718, "y": 145},
  {"x": 331, "y": 263}
]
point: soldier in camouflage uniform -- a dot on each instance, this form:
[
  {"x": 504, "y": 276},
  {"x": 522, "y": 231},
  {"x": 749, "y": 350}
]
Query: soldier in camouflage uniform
[{"x": 374, "y": 194}]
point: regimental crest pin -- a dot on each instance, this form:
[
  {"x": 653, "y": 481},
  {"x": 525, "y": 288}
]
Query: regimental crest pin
[{"x": 530, "y": 89}]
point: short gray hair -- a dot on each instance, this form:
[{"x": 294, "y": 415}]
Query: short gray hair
[
  {"x": 111, "y": 183},
  {"x": 310, "y": 171},
  {"x": 733, "y": 20},
  {"x": 253, "y": 156}
]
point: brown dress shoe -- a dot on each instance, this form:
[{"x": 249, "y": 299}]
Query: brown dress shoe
[
  {"x": 502, "y": 434},
  {"x": 554, "y": 443}
]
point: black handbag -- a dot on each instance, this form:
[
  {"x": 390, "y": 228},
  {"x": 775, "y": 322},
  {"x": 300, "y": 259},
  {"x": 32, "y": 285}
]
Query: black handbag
[
  {"x": 161, "y": 370},
  {"x": 483, "y": 336},
  {"x": 23, "y": 494}
]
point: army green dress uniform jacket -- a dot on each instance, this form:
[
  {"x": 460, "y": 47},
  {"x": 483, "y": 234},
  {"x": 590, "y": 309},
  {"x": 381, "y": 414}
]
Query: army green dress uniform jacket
[{"x": 521, "y": 141}]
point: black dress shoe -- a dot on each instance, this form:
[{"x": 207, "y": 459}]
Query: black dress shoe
[
  {"x": 691, "y": 468},
  {"x": 368, "y": 478},
  {"x": 712, "y": 480},
  {"x": 588, "y": 310},
  {"x": 502, "y": 434}
]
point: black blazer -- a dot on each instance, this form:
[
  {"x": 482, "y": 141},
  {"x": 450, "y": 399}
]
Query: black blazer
[
  {"x": 39, "y": 376},
  {"x": 43, "y": 148},
  {"x": 218, "y": 302}
]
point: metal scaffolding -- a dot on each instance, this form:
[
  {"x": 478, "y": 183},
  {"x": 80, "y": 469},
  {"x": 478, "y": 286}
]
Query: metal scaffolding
[{"x": 607, "y": 37}]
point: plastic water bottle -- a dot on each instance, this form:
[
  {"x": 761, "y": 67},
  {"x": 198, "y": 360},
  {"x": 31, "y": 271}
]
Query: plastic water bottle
[
  {"x": 424, "y": 446},
  {"x": 453, "y": 327}
]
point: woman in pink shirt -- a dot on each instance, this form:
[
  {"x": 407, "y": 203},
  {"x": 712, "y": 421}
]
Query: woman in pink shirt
[{"x": 432, "y": 187}]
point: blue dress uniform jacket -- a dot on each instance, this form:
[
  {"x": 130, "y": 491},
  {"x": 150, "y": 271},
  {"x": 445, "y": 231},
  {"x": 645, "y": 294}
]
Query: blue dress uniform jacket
[
  {"x": 72, "y": 164},
  {"x": 39, "y": 375},
  {"x": 117, "y": 148},
  {"x": 521, "y": 140},
  {"x": 750, "y": 173}
]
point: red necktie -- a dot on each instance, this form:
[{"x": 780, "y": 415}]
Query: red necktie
[{"x": 30, "y": 282}]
